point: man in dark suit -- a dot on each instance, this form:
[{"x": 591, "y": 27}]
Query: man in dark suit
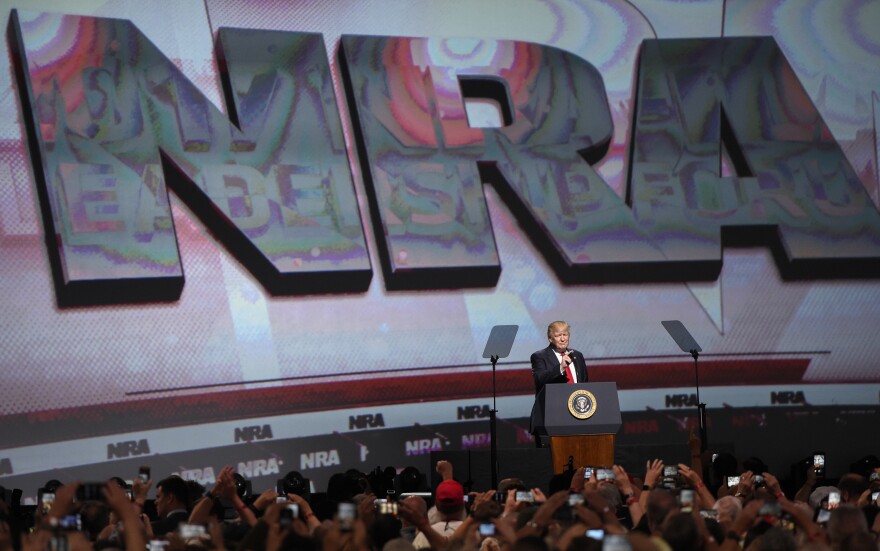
[
  {"x": 555, "y": 364},
  {"x": 172, "y": 497}
]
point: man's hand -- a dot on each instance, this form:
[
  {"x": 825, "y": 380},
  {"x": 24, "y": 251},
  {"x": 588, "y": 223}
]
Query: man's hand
[
  {"x": 692, "y": 476},
  {"x": 117, "y": 500},
  {"x": 64, "y": 500},
  {"x": 653, "y": 472},
  {"x": 444, "y": 469},
  {"x": 746, "y": 518},
  {"x": 566, "y": 359},
  {"x": 773, "y": 484},
  {"x": 577, "y": 480},
  {"x": 746, "y": 484},
  {"x": 482, "y": 497},
  {"x": 621, "y": 479},
  {"x": 225, "y": 485},
  {"x": 265, "y": 499},
  {"x": 545, "y": 512},
  {"x": 410, "y": 513},
  {"x": 140, "y": 489},
  {"x": 366, "y": 509}
]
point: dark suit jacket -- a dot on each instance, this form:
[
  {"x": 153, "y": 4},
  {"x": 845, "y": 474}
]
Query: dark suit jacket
[
  {"x": 545, "y": 370},
  {"x": 169, "y": 523}
]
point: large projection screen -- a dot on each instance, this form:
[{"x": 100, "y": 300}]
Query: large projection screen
[{"x": 388, "y": 368}]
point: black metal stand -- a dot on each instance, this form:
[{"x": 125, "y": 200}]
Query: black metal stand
[
  {"x": 493, "y": 429},
  {"x": 498, "y": 346},
  {"x": 686, "y": 343},
  {"x": 701, "y": 407}
]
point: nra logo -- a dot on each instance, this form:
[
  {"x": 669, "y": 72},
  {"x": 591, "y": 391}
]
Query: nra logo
[
  {"x": 259, "y": 467},
  {"x": 476, "y": 440},
  {"x": 423, "y": 446},
  {"x": 202, "y": 476},
  {"x": 128, "y": 449},
  {"x": 5, "y": 466},
  {"x": 681, "y": 400},
  {"x": 474, "y": 412},
  {"x": 249, "y": 434},
  {"x": 110, "y": 190},
  {"x": 786, "y": 397},
  {"x": 368, "y": 421},
  {"x": 316, "y": 460}
]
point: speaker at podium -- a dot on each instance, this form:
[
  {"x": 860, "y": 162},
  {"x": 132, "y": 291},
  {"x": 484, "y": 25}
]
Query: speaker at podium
[{"x": 581, "y": 421}]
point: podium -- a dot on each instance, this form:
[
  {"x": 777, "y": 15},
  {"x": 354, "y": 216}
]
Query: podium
[{"x": 581, "y": 421}]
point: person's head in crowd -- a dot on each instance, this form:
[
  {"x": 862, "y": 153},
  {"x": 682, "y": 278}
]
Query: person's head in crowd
[
  {"x": 819, "y": 496},
  {"x": 525, "y": 516},
  {"x": 52, "y": 485},
  {"x": 172, "y": 494},
  {"x": 383, "y": 529},
  {"x": 511, "y": 484},
  {"x": 408, "y": 531},
  {"x": 774, "y": 539},
  {"x": 764, "y": 493},
  {"x": 755, "y": 465},
  {"x": 714, "y": 528},
  {"x": 756, "y": 531},
  {"x": 94, "y": 516},
  {"x": 611, "y": 495},
  {"x": 728, "y": 507},
  {"x": 486, "y": 511},
  {"x": 194, "y": 492},
  {"x": 398, "y": 544},
  {"x": 661, "y": 502},
  {"x": 851, "y": 486},
  {"x": 293, "y": 542},
  {"x": 530, "y": 543},
  {"x": 358, "y": 498},
  {"x": 583, "y": 543},
  {"x": 860, "y": 541},
  {"x": 382, "y": 480},
  {"x": 723, "y": 466},
  {"x": 559, "y": 482},
  {"x": 845, "y": 521},
  {"x": 449, "y": 499},
  {"x": 680, "y": 531},
  {"x": 342, "y": 487},
  {"x": 865, "y": 466},
  {"x": 119, "y": 482}
]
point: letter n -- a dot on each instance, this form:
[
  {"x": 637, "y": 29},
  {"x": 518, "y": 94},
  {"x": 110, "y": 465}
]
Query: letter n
[{"x": 101, "y": 102}]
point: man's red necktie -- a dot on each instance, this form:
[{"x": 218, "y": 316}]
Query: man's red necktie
[{"x": 568, "y": 376}]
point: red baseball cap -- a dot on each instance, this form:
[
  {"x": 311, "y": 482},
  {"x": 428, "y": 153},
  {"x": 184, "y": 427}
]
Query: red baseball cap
[{"x": 449, "y": 492}]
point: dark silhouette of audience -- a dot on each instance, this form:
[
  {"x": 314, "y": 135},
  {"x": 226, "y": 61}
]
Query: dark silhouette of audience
[{"x": 746, "y": 507}]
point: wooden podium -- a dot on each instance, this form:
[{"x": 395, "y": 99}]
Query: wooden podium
[{"x": 581, "y": 421}]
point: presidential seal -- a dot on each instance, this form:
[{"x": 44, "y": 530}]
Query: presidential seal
[{"x": 582, "y": 404}]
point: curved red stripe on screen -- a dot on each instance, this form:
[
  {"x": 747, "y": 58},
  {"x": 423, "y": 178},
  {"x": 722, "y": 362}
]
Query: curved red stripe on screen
[{"x": 144, "y": 414}]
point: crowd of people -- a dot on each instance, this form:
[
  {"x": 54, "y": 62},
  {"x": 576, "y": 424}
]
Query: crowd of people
[{"x": 667, "y": 507}]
